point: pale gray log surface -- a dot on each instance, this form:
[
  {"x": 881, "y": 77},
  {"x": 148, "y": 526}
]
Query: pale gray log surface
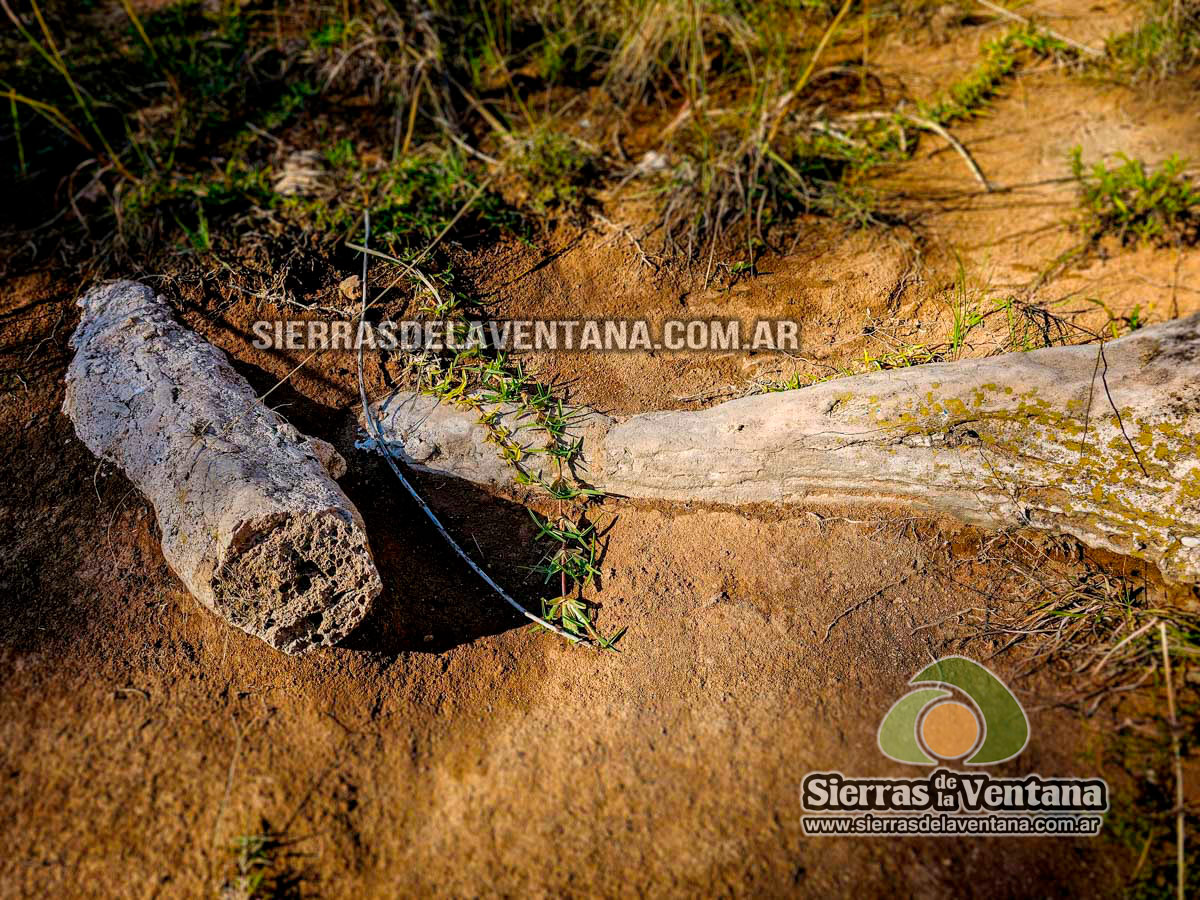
[
  {"x": 251, "y": 521},
  {"x": 1024, "y": 439}
]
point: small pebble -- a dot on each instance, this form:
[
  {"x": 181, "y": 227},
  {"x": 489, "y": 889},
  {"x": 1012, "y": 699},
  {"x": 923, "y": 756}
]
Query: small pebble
[{"x": 349, "y": 287}]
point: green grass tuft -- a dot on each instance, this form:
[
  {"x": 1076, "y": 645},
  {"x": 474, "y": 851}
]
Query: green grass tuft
[
  {"x": 1166, "y": 42},
  {"x": 557, "y": 169}
]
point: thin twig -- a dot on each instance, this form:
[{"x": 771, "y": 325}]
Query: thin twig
[
  {"x": 624, "y": 231},
  {"x": 930, "y": 125},
  {"x": 860, "y": 604},
  {"x": 1137, "y": 870},
  {"x": 1120, "y": 422},
  {"x": 237, "y": 749},
  {"x": 803, "y": 79}
]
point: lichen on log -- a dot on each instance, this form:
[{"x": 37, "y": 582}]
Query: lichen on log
[{"x": 1098, "y": 442}]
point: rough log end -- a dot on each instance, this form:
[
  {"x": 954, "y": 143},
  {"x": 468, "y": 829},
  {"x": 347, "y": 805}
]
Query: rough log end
[{"x": 300, "y": 582}]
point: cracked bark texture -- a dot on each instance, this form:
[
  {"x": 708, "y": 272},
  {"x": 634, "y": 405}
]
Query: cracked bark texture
[
  {"x": 1102, "y": 447},
  {"x": 251, "y": 521}
]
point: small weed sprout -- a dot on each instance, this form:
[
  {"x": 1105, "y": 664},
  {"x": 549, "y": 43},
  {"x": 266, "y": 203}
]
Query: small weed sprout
[
  {"x": 253, "y": 854},
  {"x": 965, "y": 316},
  {"x": 262, "y": 863}
]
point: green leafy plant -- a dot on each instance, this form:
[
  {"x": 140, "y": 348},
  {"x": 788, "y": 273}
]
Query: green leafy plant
[
  {"x": 532, "y": 432},
  {"x": 1135, "y": 204}
]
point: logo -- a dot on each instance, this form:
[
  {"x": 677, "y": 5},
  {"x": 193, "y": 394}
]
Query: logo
[
  {"x": 958, "y": 713},
  {"x": 932, "y": 723}
]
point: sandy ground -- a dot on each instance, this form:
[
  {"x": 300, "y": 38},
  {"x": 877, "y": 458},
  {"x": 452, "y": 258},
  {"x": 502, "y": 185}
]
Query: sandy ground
[{"x": 447, "y": 750}]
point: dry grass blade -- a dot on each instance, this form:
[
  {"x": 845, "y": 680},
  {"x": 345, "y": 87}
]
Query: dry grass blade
[
  {"x": 1097, "y": 626},
  {"x": 50, "y": 52},
  {"x": 1125, "y": 640},
  {"x": 786, "y": 102},
  {"x": 1173, "y": 721}
]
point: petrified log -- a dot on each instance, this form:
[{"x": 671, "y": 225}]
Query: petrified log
[
  {"x": 251, "y": 520},
  {"x": 1102, "y": 447}
]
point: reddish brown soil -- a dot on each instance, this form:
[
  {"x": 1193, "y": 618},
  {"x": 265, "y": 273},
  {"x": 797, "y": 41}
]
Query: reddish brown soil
[{"x": 445, "y": 749}]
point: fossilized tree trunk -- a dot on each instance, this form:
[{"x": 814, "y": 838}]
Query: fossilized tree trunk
[
  {"x": 251, "y": 521},
  {"x": 1103, "y": 448}
]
